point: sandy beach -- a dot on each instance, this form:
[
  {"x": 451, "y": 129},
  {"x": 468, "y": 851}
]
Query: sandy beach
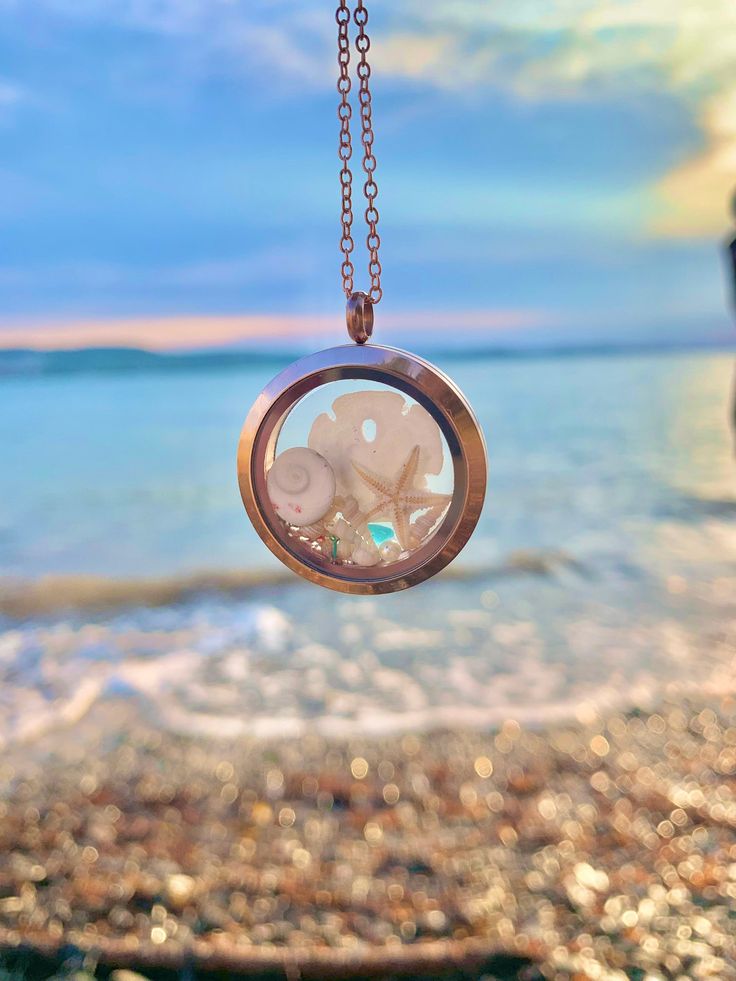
[{"x": 603, "y": 849}]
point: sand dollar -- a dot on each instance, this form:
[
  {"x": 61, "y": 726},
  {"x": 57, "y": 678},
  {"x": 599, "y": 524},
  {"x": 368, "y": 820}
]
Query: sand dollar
[{"x": 377, "y": 430}]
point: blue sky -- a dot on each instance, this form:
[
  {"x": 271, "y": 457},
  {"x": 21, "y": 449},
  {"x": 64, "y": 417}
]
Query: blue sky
[{"x": 554, "y": 169}]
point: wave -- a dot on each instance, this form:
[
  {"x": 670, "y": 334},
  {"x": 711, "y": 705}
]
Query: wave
[
  {"x": 49, "y": 594},
  {"x": 21, "y": 599},
  {"x": 285, "y": 662}
]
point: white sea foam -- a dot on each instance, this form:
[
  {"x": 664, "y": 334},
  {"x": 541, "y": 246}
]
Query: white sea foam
[{"x": 221, "y": 668}]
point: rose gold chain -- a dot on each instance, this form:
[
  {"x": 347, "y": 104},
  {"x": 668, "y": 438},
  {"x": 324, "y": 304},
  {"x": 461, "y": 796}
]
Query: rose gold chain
[{"x": 345, "y": 151}]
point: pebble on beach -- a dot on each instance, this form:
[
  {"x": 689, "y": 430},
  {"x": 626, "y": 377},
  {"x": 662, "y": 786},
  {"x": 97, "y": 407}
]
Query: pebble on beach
[{"x": 598, "y": 849}]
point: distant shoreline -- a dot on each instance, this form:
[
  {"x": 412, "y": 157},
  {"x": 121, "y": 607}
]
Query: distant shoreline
[{"x": 34, "y": 362}]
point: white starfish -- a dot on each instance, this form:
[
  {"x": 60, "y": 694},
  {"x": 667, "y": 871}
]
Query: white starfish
[{"x": 397, "y": 498}]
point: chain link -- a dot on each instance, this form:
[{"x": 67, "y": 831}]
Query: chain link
[{"x": 345, "y": 149}]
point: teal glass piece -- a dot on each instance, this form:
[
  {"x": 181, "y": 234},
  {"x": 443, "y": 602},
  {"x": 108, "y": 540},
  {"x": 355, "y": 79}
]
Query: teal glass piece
[{"x": 380, "y": 533}]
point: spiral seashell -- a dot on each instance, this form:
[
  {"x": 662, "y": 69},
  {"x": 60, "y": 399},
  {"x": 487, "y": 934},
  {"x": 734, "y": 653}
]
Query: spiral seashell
[{"x": 301, "y": 486}]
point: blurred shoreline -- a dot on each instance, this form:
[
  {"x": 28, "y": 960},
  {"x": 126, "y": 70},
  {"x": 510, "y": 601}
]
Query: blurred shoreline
[
  {"x": 606, "y": 845},
  {"x": 49, "y": 594}
]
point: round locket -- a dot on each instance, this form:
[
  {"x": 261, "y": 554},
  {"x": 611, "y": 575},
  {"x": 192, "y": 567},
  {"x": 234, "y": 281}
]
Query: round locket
[{"x": 362, "y": 468}]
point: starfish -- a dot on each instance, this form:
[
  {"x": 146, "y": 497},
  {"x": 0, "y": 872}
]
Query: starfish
[{"x": 398, "y": 498}]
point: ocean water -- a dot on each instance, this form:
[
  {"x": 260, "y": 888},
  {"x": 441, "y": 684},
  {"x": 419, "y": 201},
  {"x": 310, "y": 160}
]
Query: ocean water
[{"x": 603, "y": 570}]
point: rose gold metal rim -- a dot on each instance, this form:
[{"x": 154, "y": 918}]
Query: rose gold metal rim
[{"x": 422, "y": 382}]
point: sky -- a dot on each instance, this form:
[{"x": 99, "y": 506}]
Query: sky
[{"x": 548, "y": 170}]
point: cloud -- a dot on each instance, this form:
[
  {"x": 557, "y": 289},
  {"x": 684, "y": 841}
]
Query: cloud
[
  {"x": 697, "y": 193},
  {"x": 11, "y": 95},
  {"x": 182, "y": 333},
  {"x": 544, "y": 50},
  {"x": 536, "y": 50},
  {"x": 283, "y": 42},
  {"x": 258, "y": 266}
]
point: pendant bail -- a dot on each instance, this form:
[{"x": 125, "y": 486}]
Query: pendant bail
[{"x": 359, "y": 316}]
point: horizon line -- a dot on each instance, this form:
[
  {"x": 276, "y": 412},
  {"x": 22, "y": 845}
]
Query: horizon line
[{"x": 195, "y": 332}]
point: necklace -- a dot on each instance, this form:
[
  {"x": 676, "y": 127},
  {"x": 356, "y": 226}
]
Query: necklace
[{"x": 362, "y": 467}]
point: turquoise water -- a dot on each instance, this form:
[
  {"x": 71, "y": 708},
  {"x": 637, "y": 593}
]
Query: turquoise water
[
  {"x": 130, "y": 475},
  {"x": 604, "y": 562}
]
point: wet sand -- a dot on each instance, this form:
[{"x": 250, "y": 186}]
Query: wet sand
[{"x": 594, "y": 850}]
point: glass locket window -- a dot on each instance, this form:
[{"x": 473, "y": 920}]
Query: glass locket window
[{"x": 362, "y": 468}]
